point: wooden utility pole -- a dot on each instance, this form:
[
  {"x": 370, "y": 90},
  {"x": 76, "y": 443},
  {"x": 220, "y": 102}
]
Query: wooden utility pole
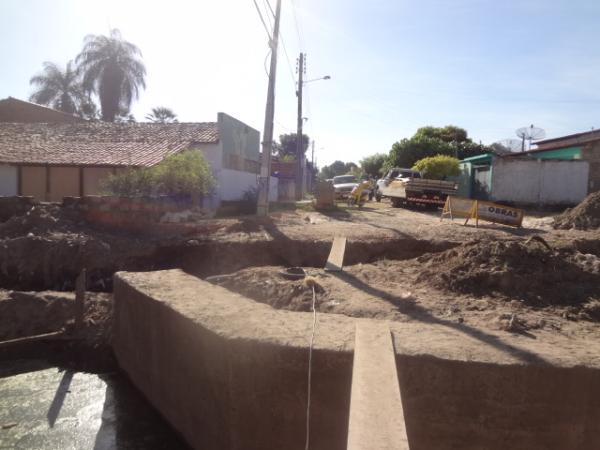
[
  {"x": 267, "y": 144},
  {"x": 299, "y": 140}
]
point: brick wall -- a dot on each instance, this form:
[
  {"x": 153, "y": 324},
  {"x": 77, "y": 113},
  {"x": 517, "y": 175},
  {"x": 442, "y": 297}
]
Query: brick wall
[{"x": 153, "y": 215}]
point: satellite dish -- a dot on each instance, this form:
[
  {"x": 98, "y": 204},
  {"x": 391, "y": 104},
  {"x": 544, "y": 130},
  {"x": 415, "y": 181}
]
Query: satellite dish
[
  {"x": 530, "y": 133},
  {"x": 507, "y": 146}
]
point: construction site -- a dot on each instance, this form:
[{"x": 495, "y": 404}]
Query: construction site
[{"x": 481, "y": 337}]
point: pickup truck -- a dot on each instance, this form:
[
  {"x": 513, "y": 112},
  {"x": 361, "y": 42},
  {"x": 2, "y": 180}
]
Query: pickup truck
[{"x": 407, "y": 187}]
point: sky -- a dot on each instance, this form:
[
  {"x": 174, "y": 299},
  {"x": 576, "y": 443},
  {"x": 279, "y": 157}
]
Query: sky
[{"x": 488, "y": 66}]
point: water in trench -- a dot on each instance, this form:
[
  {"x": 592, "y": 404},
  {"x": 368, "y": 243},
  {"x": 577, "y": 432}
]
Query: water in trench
[{"x": 45, "y": 407}]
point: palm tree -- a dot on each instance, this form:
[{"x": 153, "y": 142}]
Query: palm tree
[
  {"x": 161, "y": 114},
  {"x": 112, "y": 68},
  {"x": 58, "y": 88}
]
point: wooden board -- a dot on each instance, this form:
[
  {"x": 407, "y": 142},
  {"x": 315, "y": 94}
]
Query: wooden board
[
  {"x": 376, "y": 412},
  {"x": 335, "y": 262}
]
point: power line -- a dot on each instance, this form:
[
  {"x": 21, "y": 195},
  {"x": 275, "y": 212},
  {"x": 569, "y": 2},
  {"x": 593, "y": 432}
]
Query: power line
[
  {"x": 287, "y": 57},
  {"x": 300, "y": 40},
  {"x": 262, "y": 20},
  {"x": 271, "y": 9},
  {"x": 269, "y": 18}
]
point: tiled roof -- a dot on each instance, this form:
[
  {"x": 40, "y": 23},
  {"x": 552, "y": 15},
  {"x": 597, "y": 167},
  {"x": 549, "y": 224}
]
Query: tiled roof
[{"x": 99, "y": 143}]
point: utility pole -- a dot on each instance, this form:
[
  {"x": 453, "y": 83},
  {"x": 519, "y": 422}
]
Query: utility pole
[
  {"x": 267, "y": 144},
  {"x": 299, "y": 149}
]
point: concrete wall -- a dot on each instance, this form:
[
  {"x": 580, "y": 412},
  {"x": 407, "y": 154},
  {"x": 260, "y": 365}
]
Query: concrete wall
[
  {"x": 230, "y": 373},
  {"x": 93, "y": 177},
  {"x": 33, "y": 182},
  {"x": 64, "y": 182},
  {"x": 233, "y": 184},
  {"x": 591, "y": 154},
  {"x": 238, "y": 138},
  {"x": 8, "y": 180},
  {"x": 545, "y": 182}
]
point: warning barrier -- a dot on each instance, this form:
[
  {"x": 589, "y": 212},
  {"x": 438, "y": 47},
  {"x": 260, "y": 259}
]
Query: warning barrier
[{"x": 482, "y": 210}]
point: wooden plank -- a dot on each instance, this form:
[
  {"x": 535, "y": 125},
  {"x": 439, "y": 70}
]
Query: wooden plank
[
  {"x": 335, "y": 262},
  {"x": 376, "y": 413}
]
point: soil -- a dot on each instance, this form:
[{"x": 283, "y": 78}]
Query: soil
[
  {"x": 515, "y": 286},
  {"x": 401, "y": 264},
  {"x": 530, "y": 271},
  {"x": 584, "y": 216}
]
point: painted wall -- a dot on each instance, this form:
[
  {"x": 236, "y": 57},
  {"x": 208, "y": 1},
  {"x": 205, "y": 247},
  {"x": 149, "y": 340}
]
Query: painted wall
[
  {"x": 8, "y": 180},
  {"x": 33, "y": 182},
  {"x": 239, "y": 140},
  {"x": 546, "y": 182},
  {"x": 64, "y": 182},
  {"x": 559, "y": 153},
  {"x": 233, "y": 184},
  {"x": 92, "y": 179}
]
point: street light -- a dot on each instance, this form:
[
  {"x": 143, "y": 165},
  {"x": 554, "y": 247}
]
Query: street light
[{"x": 299, "y": 152}]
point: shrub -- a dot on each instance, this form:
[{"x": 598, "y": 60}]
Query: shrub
[
  {"x": 183, "y": 174},
  {"x": 438, "y": 167}
]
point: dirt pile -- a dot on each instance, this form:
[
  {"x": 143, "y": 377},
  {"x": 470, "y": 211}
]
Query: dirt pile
[
  {"x": 39, "y": 220},
  {"x": 266, "y": 285},
  {"x": 48, "y": 246},
  {"x": 528, "y": 271},
  {"x": 584, "y": 216},
  {"x": 29, "y": 313}
]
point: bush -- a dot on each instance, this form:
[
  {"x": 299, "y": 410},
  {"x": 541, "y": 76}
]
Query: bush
[
  {"x": 184, "y": 174},
  {"x": 438, "y": 167}
]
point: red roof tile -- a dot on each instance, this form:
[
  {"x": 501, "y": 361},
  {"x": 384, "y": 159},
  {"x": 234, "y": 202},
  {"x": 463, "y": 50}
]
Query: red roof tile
[{"x": 99, "y": 143}]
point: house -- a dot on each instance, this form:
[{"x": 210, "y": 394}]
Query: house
[
  {"x": 580, "y": 146},
  {"x": 524, "y": 179},
  {"x": 15, "y": 110},
  {"x": 52, "y": 160}
]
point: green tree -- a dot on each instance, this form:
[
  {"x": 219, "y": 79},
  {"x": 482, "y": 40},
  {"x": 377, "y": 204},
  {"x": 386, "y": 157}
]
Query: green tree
[
  {"x": 431, "y": 141},
  {"x": 59, "y": 88},
  {"x": 112, "y": 68},
  {"x": 337, "y": 168},
  {"x": 183, "y": 174},
  {"x": 161, "y": 114},
  {"x": 438, "y": 167},
  {"x": 372, "y": 165},
  {"x": 287, "y": 145}
]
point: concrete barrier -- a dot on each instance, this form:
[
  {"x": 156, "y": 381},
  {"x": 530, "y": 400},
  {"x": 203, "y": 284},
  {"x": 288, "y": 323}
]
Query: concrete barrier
[{"x": 230, "y": 373}]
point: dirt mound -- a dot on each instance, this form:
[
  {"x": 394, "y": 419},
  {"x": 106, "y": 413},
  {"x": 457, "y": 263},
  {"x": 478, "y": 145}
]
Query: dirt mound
[
  {"x": 39, "y": 220},
  {"x": 528, "y": 271},
  {"x": 584, "y": 216},
  {"x": 266, "y": 285}
]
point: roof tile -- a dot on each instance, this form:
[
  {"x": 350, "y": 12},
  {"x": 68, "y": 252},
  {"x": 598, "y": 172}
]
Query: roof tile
[{"x": 99, "y": 143}]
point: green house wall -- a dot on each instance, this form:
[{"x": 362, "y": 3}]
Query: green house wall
[{"x": 559, "y": 153}]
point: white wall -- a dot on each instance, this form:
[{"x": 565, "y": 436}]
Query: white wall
[
  {"x": 548, "y": 182},
  {"x": 8, "y": 180},
  {"x": 274, "y": 189},
  {"x": 233, "y": 184}
]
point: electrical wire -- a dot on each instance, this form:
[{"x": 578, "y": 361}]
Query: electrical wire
[
  {"x": 263, "y": 21},
  {"x": 300, "y": 40},
  {"x": 312, "y": 340}
]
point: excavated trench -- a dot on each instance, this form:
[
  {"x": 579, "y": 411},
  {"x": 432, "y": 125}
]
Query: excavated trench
[{"x": 448, "y": 404}]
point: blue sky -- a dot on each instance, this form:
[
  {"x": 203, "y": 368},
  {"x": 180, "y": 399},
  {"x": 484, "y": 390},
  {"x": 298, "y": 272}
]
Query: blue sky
[{"x": 487, "y": 66}]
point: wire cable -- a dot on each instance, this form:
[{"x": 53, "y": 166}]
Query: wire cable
[
  {"x": 312, "y": 340},
  {"x": 300, "y": 40},
  {"x": 263, "y": 21}
]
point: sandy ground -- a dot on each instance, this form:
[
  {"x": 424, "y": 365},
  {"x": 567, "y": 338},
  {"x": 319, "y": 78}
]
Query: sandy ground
[{"x": 531, "y": 297}]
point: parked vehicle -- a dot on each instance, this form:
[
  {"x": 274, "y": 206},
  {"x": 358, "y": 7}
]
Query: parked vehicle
[
  {"x": 395, "y": 173},
  {"x": 343, "y": 185},
  {"x": 407, "y": 187}
]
